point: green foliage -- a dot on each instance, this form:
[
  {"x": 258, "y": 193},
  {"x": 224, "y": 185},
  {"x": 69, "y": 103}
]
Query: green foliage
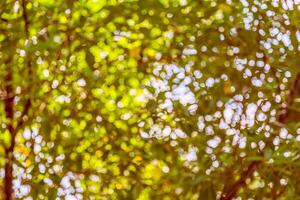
[{"x": 150, "y": 99}]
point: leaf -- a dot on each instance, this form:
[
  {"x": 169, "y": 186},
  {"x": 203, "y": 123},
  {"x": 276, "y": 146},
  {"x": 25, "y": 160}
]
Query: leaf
[
  {"x": 89, "y": 57},
  {"x": 268, "y": 154}
]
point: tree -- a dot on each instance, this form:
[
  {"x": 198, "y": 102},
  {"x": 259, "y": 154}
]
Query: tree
[{"x": 153, "y": 99}]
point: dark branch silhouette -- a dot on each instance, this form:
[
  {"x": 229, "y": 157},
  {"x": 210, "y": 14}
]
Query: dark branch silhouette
[{"x": 282, "y": 118}]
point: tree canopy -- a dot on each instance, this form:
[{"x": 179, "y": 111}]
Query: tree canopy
[{"x": 149, "y": 99}]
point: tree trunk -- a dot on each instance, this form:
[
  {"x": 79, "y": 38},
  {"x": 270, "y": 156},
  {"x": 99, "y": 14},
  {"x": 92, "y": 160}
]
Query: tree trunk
[
  {"x": 9, "y": 112},
  {"x": 8, "y": 179}
]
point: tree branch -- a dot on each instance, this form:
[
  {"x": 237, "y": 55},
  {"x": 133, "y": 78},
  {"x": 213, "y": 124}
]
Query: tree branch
[
  {"x": 285, "y": 109},
  {"x": 27, "y": 104},
  {"x": 25, "y": 18},
  {"x": 241, "y": 182},
  {"x": 283, "y": 115}
]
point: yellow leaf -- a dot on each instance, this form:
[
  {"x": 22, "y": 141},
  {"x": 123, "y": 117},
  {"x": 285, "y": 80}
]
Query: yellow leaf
[{"x": 134, "y": 52}]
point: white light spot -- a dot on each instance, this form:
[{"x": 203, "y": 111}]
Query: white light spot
[
  {"x": 81, "y": 82},
  {"x": 210, "y": 82}
]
